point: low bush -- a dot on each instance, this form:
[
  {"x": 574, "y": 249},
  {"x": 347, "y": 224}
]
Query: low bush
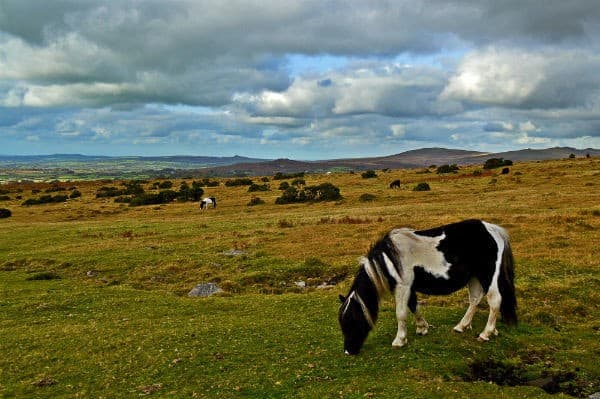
[
  {"x": 422, "y": 187},
  {"x": 5, "y": 213},
  {"x": 242, "y": 181},
  {"x": 493, "y": 163},
  {"x": 46, "y": 199},
  {"x": 162, "y": 197},
  {"x": 285, "y": 176},
  {"x": 447, "y": 169},
  {"x": 258, "y": 187},
  {"x": 75, "y": 194},
  {"x": 369, "y": 174},
  {"x": 4, "y": 198},
  {"x": 321, "y": 192}
]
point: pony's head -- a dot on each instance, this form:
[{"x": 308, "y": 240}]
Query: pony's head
[{"x": 355, "y": 322}]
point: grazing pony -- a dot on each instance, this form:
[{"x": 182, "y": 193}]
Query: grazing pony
[
  {"x": 395, "y": 184},
  {"x": 207, "y": 201},
  {"x": 437, "y": 261}
]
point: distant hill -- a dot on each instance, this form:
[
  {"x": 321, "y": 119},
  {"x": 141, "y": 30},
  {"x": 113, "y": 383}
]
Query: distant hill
[
  {"x": 410, "y": 159},
  {"x": 75, "y": 166}
]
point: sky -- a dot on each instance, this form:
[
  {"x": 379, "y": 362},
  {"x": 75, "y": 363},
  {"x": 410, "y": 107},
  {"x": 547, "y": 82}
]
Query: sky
[{"x": 297, "y": 79}]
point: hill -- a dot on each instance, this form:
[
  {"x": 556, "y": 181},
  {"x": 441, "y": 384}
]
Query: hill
[{"x": 410, "y": 159}]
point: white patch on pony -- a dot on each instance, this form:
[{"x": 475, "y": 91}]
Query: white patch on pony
[
  {"x": 418, "y": 250},
  {"x": 363, "y": 306},
  {"x": 391, "y": 269},
  {"x": 375, "y": 275}
]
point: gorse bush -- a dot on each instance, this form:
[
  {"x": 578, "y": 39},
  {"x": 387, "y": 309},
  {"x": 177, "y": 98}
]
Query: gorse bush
[
  {"x": 242, "y": 181},
  {"x": 447, "y": 169},
  {"x": 422, "y": 187},
  {"x": 493, "y": 163},
  {"x": 162, "y": 197},
  {"x": 46, "y": 199},
  {"x": 258, "y": 187},
  {"x": 369, "y": 174},
  {"x": 5, "y": 213},
  {"x": 321, "y": 192},
  {"x": 285, "y": 176}
]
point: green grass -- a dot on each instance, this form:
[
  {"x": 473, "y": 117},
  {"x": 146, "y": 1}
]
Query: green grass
[
  {"x": 118, "y": 342},
  {"x": 129, "y": 330}
]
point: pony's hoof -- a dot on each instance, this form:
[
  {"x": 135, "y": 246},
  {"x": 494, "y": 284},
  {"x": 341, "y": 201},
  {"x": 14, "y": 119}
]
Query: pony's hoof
[
  {"x": 483, "y": 338},
  {"x": 422, "y": 330},
  {"x": 459, "y": 329},
  {"x": 399, "y": 343}
]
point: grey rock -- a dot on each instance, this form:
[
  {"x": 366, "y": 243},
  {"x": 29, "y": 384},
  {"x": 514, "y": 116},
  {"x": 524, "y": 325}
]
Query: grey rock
[{"x": 204, "y": 290}]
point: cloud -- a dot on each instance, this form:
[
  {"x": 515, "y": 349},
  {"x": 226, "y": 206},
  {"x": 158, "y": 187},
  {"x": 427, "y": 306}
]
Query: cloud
[
  {"x": 299, "y": 76},
  {"x": 517, "y": 78}
]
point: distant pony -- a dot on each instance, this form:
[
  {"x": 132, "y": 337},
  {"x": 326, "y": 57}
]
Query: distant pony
[
  {"x": 437, "y": 261},
  {"x": 395, "y": 184},
  {"x": 208, "y": 201}
]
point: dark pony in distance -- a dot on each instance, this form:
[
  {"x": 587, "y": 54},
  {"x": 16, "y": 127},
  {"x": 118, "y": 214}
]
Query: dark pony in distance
[
  {"x": 208, "y": 201},
  {"x": 395, "y": 184},
  {"x": 437, "y": 261}
]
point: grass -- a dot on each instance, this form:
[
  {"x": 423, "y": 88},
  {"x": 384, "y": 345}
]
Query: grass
[{"x": 93, "y": 293}]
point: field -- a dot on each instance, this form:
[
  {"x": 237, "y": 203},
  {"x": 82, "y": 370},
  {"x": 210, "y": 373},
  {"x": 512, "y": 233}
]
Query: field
[{"x": 93, "y": 293}]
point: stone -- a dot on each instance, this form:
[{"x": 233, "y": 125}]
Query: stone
[
  {"x": 204, "y": 290},
  {"x": 300, "y": 284}
]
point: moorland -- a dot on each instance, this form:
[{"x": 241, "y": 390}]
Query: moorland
[{"x": 93, "y": 292}]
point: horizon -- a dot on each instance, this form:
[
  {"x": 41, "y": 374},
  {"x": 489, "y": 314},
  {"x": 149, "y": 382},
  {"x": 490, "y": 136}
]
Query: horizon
[
  {"x": 297, "y": 80},
  {"x": 294, "y": 159}
]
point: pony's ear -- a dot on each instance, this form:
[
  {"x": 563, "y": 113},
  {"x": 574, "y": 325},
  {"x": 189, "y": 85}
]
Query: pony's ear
[{"x": 342, "y": 298}]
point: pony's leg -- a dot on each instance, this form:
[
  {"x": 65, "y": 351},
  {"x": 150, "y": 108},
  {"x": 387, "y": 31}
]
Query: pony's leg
[
  {"x": 422, "y": 325},
  {"x": 475, "y": 295},
  {"x": 402, "y": 294},
  {"x": 494, "y": 299}
]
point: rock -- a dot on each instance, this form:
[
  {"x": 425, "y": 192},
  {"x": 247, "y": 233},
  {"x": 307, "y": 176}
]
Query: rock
[
  {"x": 300, "y": 284},
  {"x": 233, "y": 252},
  {"x": 204, "y": 290},
  {"x": 595, "y": 395},
  {"x": 91, "y": 273}
]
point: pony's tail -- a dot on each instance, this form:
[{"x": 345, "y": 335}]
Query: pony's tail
[{"x": 506, "y": 285}]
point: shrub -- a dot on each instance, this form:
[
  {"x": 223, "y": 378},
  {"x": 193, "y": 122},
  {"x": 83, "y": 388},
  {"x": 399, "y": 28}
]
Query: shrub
[
  {"x": 369, "y": 174},
  {"x": 162, "y": 197},
  {"x": 165, "y": 184},
  {"x": 447, "y": 169},
  {"x": 422, "y": 187},
  {"x": 243, "y": 181},
  {"x": 5, "y": 213},
  {"x": 322, "y": 192},
  {"x": 367, "y": 198},
  {"x": 284, "y": 185},
  {"x": 496, "y": 163},
  {"x": 187, "y": 193},
  {"x": 285, "y": 176},
  {"x": 46, "y": 199},
  {"x": 264, "y": 179},
  {"x": 298, "y": 182},
  {"x": 255, "y": 201},
  {"x": 54, "y": 189},
  {"x": 75, "y": 194},
  {"x": 4, "y": 198},
  {"x": 258, "y": 187},
  {"x": 477, "y": 173}
]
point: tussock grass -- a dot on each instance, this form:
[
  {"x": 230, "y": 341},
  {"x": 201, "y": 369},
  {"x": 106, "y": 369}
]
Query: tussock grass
[{"x": 127, "y": 328}]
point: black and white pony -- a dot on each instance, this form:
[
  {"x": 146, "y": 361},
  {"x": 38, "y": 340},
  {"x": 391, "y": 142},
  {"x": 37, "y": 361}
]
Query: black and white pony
[
  {"x": 437, "y": 261},
  {"x": 208, "y": 201}
]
